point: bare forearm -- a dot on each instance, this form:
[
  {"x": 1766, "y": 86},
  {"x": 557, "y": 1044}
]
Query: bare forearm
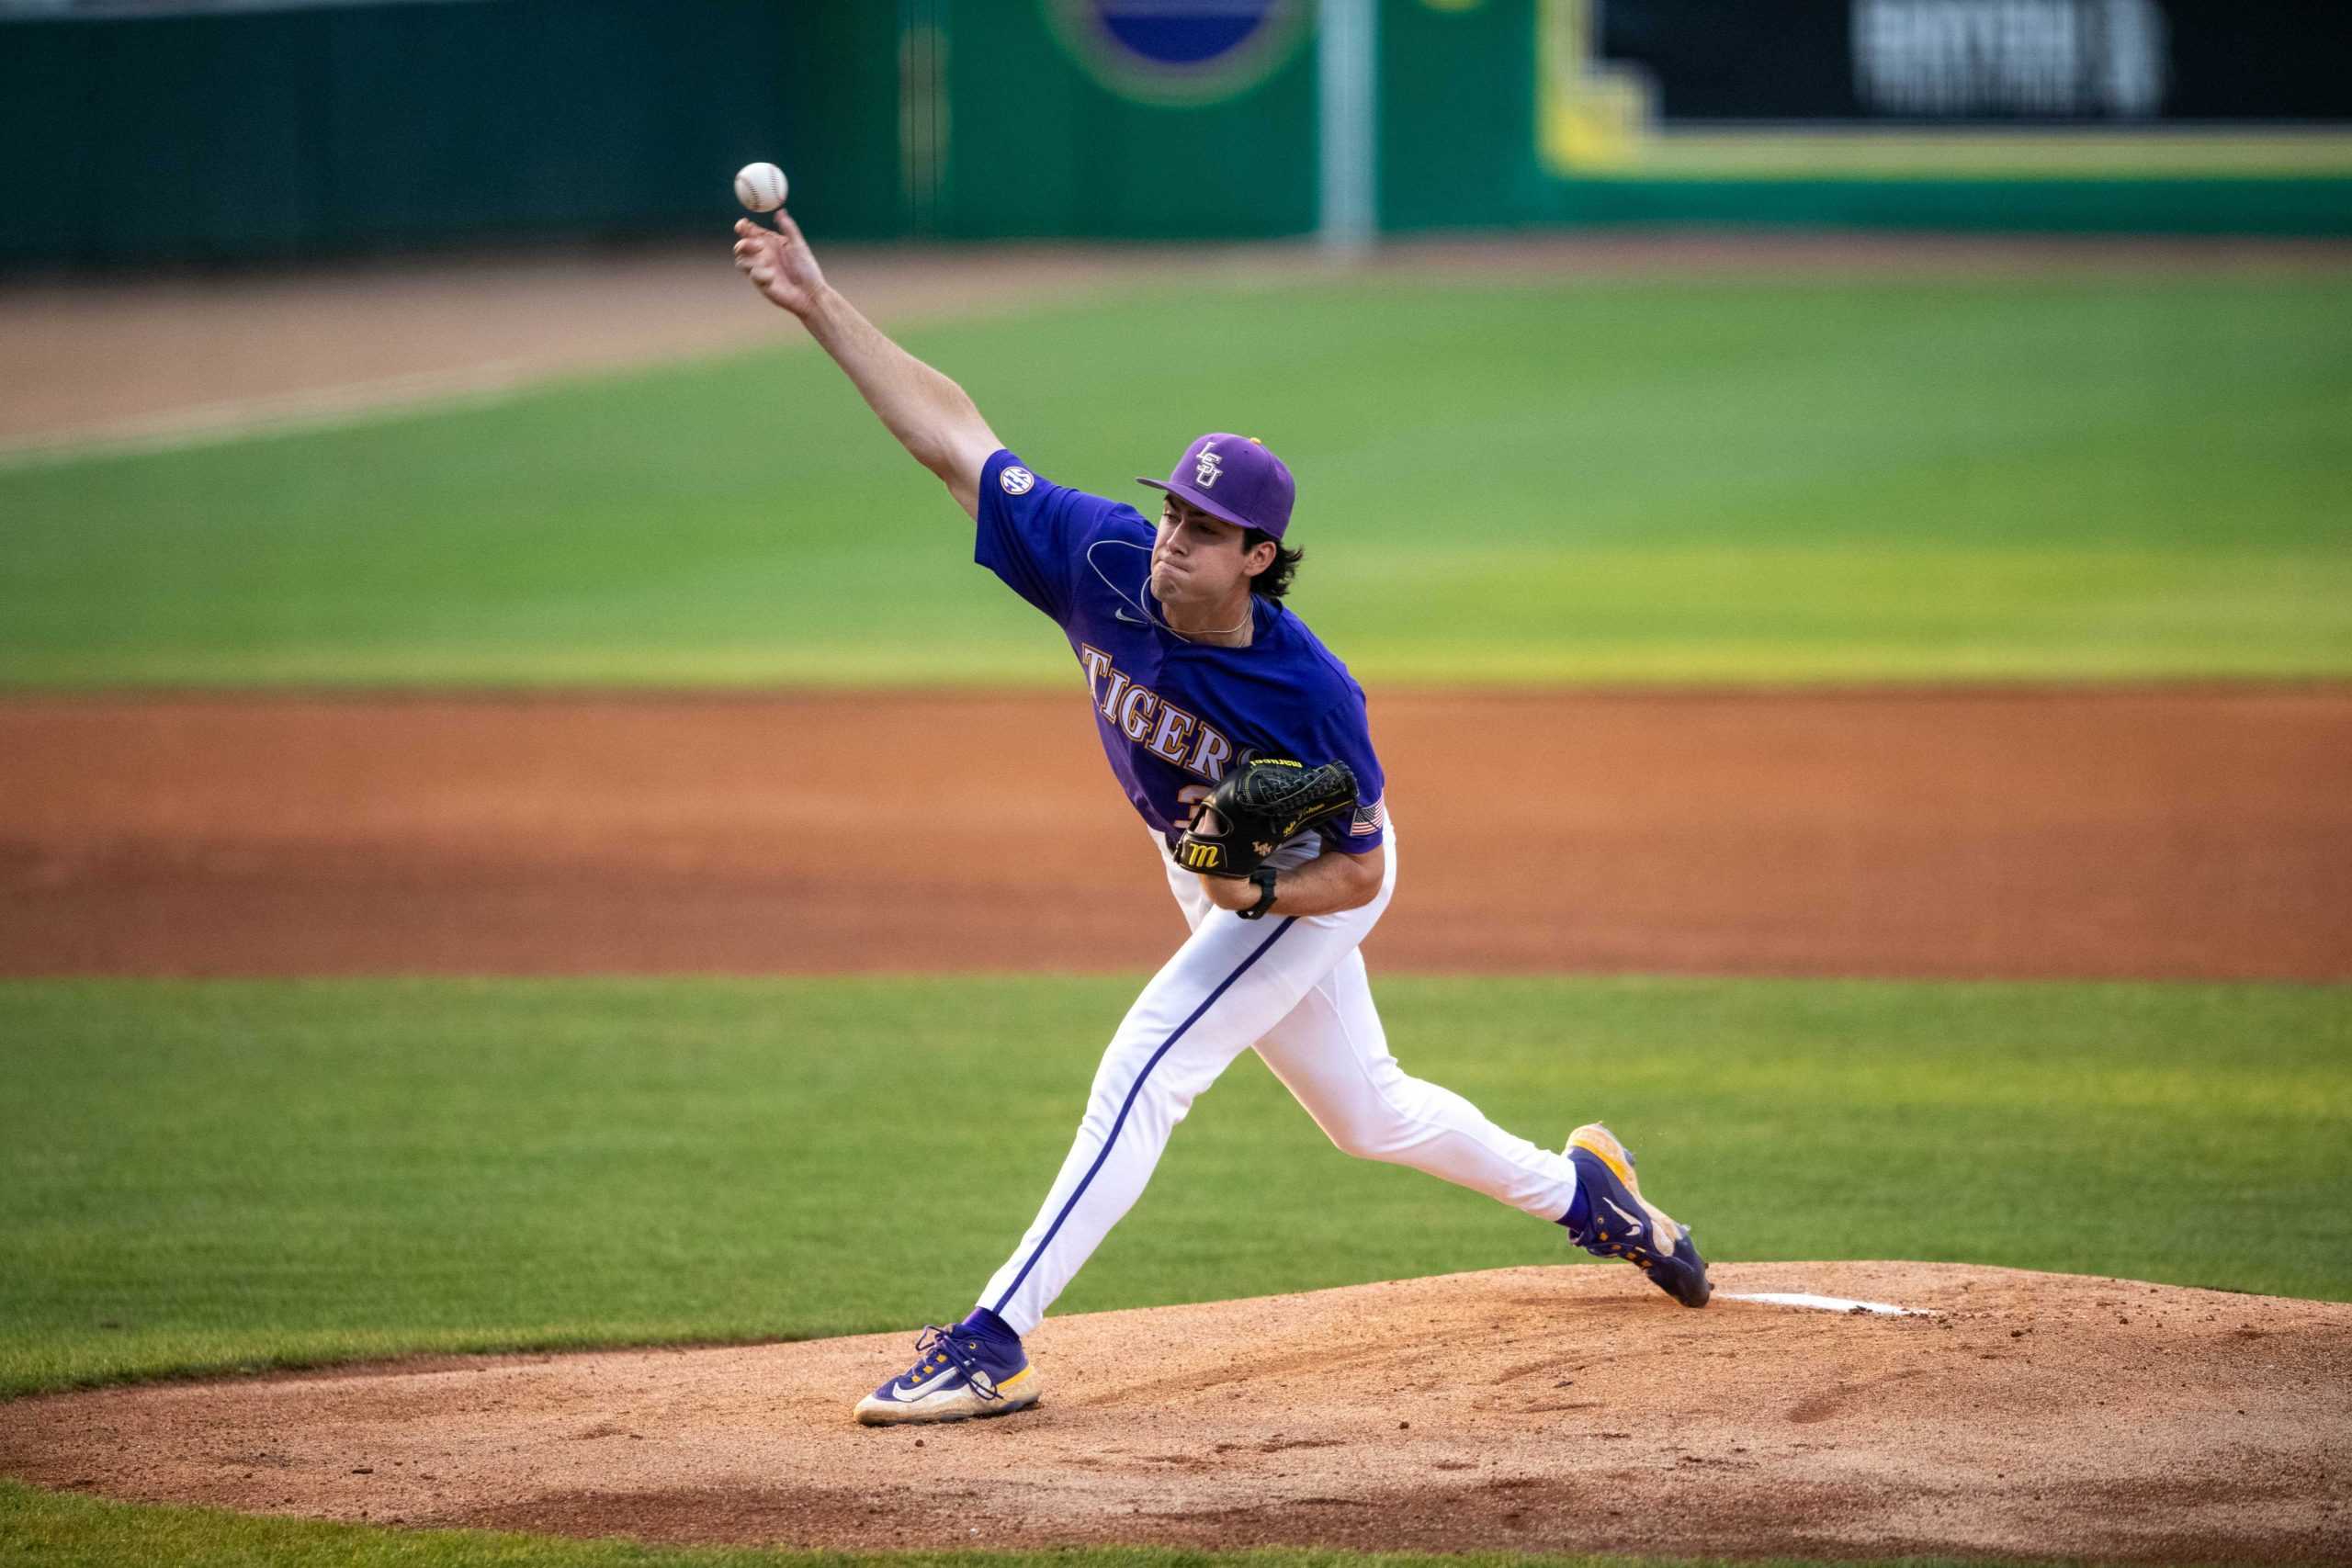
[
  {"x": 1328, "y": 885},
  {"x": 930, "y": 415}
]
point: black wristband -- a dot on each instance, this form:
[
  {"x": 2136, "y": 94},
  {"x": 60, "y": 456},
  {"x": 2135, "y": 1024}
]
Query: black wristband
[{"x": 1264, "y": 878}]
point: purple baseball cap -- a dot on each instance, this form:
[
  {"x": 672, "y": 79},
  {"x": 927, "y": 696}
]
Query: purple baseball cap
[{"x": 1235, "y": 478}]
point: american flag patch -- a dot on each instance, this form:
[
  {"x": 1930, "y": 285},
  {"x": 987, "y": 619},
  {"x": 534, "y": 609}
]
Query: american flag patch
[{"x": 1368, "y": 819}]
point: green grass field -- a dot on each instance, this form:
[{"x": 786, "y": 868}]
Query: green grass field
[
  {"x": 211, "y": 1176},
  {"x": 1689, "y": 481},
  {"x": 207, "y": 1177}
]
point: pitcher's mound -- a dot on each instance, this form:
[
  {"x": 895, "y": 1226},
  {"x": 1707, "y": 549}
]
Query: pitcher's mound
[{"x": 1570, "y": 1408}]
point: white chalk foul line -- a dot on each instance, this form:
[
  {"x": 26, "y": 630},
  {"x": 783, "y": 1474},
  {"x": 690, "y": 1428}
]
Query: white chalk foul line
[{"x": 1823, "y": 1304}]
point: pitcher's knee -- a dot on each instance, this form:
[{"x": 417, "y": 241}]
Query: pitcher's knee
[
  {"x": 1156, "y": 1100},
  {"x": 1364, "y": 1140}
]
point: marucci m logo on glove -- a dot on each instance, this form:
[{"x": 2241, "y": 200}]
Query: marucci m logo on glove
[{"x": 1194, "y": 855}]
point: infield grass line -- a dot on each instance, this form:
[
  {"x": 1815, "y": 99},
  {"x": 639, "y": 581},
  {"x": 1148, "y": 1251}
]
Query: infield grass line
[{"x": 64, "y": 1531}]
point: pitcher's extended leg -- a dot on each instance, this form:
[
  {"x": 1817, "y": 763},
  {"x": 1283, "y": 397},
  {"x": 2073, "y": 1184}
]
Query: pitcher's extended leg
[{"x": 1333, "y": 1054}]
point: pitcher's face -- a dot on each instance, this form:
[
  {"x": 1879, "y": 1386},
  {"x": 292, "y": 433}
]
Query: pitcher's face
[{"x": 1199, "y": 560}]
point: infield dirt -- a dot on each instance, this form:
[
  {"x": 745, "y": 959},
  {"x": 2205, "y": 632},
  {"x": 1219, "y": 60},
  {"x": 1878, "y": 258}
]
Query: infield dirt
[
  {"x": 1996, "y": 833},
  {"x": 1569, "y": 1408}
]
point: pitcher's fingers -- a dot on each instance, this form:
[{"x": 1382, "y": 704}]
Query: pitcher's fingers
[{"x": 785, "y": 227}]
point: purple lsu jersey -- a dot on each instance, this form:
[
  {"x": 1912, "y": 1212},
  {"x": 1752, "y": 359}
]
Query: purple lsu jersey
[{"x": 1172, "y": 715}]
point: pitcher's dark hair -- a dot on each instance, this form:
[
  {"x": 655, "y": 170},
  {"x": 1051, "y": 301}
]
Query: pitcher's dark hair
[{"x": 1274, "y": 582}]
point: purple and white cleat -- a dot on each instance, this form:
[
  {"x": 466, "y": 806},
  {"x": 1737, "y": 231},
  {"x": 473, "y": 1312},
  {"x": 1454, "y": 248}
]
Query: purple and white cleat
[
  {"x": 1621, "y": 1223},
  {"x": 972, "y": 1370}
]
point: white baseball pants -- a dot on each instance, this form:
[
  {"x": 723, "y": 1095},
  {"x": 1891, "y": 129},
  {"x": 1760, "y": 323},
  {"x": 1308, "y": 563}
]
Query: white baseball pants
[{"x": 1294, "y": 989}]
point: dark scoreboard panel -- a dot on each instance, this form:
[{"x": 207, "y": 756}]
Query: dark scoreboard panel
[{"x": 2029, "y": 62}]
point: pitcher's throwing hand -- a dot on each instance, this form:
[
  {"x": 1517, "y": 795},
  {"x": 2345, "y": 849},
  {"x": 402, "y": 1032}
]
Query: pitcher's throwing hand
[{"x": 778, "y": 263}]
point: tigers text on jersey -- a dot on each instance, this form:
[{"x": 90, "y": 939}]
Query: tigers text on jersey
[{"x": 1172, "y": 713}]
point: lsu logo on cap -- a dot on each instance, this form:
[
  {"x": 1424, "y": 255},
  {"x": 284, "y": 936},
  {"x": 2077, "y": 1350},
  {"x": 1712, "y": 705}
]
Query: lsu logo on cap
[
  {"x": 1207, "y": 466},
  {"x": 1016, "y": 479}
]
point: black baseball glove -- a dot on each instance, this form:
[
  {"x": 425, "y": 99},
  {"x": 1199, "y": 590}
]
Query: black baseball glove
[{"x": 1258, "y": 807}]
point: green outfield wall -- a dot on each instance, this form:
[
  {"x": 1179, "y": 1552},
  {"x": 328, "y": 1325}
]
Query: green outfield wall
[
  {"x": 304, "y": 132},
  {"x": 212, "y": 132}
]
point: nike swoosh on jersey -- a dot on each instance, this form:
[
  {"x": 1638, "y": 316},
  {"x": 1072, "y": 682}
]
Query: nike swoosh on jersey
[{"x": 1131, "y": 620}]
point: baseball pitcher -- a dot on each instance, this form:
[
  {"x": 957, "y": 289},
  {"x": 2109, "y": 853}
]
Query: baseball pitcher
[{"x": 1241, "y": 742}]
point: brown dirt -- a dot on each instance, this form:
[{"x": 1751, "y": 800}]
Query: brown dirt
[
  {"x": 2181, "y": 833},
  {"x": 1569, "y": 1409}
]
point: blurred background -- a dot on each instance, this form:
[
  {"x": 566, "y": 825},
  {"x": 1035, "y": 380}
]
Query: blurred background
[{"x": 227, "y": 131}]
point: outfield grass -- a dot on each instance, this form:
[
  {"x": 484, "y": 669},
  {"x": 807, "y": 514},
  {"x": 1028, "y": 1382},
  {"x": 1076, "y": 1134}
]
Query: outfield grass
[
  {"x": 206, "y": 1176},
  {"x": 2119, "y": 478}
]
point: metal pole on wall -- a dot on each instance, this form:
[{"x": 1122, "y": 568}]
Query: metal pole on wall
[{"x": 1347, "y": 89}]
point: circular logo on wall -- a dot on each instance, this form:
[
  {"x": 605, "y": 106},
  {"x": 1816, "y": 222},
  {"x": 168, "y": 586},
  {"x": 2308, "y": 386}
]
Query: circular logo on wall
[{"x": 1186, "y": 51}]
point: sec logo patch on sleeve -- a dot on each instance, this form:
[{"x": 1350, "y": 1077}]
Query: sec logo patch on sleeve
[{"x": 1016, "y": 479}]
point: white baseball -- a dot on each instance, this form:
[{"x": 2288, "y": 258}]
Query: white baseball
[{"x": 760, "y": 186}]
